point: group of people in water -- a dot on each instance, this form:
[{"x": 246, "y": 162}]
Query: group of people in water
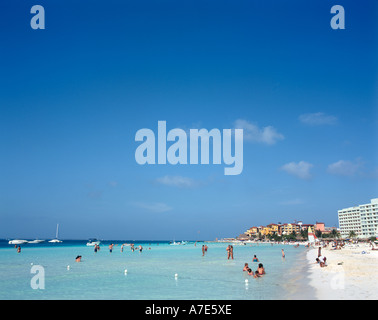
[
  {"x": 111, "y": 246},
  {"x": 204, "y": 249},
  {"x": 260, "y": 269}
]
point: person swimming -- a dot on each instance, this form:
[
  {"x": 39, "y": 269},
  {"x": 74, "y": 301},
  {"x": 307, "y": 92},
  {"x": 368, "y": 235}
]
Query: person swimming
[
  {"x": 78, "y": 259},
  {"x": 255, "y": 259},
  {"x": 246, "y": 267}
]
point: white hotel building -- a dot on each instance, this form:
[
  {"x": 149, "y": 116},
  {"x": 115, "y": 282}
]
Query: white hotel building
[{"x": 362, "y": 219}]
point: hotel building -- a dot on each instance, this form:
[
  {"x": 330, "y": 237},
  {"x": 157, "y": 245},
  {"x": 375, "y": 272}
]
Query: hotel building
[{"x": 361, "y": 219}]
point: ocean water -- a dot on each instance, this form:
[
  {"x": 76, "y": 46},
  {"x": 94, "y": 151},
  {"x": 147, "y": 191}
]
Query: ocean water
[{"x": 151, "y": 273}]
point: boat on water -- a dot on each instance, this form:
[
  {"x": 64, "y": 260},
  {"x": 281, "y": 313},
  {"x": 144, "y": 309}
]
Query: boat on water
[
  {"x": 93, "y": 242},
  {"x": 174, "y": 243},
  {"x": 17, "y": 241},
  {"x": 56, "y": 240},
  {"x": 36, "y": 241}
]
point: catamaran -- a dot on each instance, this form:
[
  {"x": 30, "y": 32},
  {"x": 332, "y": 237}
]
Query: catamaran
[{"x": 56, "y": 240}]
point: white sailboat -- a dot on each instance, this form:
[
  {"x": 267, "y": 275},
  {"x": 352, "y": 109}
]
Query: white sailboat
[
  {"x": 56, "y": 240},
  {"x": 311, "y": 236}
]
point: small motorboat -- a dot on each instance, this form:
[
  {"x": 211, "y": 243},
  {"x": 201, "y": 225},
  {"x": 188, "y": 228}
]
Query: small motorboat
[
  {"x": 17, "y": 241},
  {"x": 93, "y": 242},
  {"x": 36, "y": 241}
]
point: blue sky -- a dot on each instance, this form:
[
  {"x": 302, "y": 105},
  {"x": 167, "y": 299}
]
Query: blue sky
[{"x": 72, "y": 97}]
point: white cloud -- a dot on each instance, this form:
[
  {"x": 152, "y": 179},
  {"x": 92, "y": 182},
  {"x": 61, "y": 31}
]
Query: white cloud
[
  {"x": 153, "y": 207},
  {"x": 176, "y": 181},
  {"x": 317, "y": 119},
  {"x": 267, "y": 135},
  {"x": 300, "y": 169},
  {"x": 345, "y": 167},
  {"x": 113, "y": 184}
]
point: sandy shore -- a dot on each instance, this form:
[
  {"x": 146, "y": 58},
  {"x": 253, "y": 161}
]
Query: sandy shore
[{"x": 351, "y": 274}]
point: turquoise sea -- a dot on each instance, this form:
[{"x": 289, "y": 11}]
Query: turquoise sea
[{"x": 151, "y": 273}]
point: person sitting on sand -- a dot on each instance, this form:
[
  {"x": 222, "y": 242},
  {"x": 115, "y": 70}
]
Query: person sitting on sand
[
  {"x": 245, "y": 267},
  {"x": 255, "y": 259},
  {"x": 78, "y": 259}
]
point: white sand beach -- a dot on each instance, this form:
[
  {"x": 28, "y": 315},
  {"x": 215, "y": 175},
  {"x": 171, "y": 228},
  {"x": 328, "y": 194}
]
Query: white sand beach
[{"x": 351, "y": 273}]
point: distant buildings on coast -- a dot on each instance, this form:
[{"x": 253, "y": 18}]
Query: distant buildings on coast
[
  {"x": 285, "y": 229},
  {"x": 360, "y": 220}
]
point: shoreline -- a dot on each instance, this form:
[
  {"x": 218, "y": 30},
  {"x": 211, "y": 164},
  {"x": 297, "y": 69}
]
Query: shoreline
[{"x": 349, "y": 274}]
